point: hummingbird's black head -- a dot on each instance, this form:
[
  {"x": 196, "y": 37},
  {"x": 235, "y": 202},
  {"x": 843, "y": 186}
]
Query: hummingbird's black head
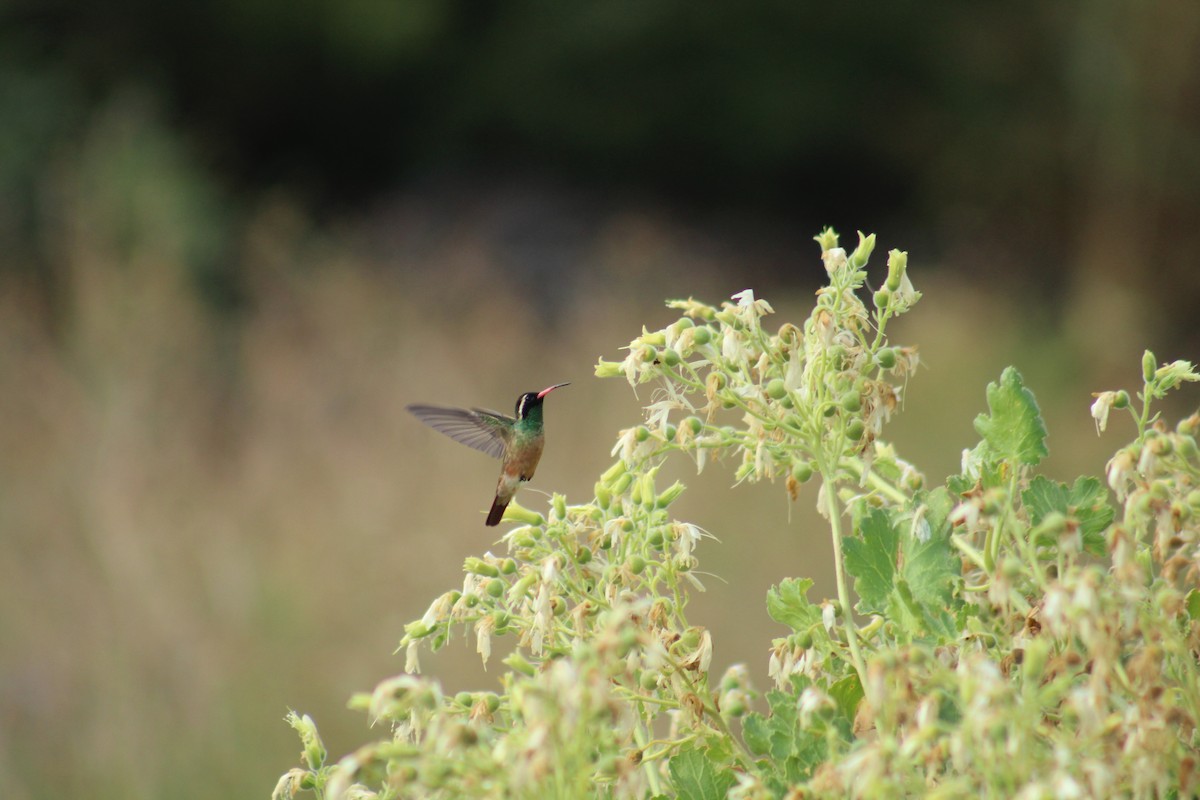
[{"x": 533, "y": 400}]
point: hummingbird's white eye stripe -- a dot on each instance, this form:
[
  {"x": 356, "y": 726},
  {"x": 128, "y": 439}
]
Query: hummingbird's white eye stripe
[{"x": 521, "y": 406}]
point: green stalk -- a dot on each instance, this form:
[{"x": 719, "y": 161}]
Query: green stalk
[{"x": 835, "y": 526}]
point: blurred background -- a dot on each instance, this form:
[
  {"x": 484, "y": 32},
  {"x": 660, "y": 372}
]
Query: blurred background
[{"x": 236, "y": 238}]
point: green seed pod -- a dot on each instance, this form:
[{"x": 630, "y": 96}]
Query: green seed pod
[
  {"x": 1187, "y": 446},
  {"x": 669, "y": 357},
  {"x": 641, "y": 433},
  {"x": 851, "y": 401},
  {"x": 495, "y": 587},
  {"x": 500, "y": 621},
  {"x": 670, "y": 432},
  {"x": 583, "y": 555},
  {"x": 802, "y": 471},
  {"x": 491, "y": 701},
  {"x": 703, "y": 335},
  {"x": 855, "y": 429},
  {"x": 886, "y": 357},
  {"x": 882, "y": 298},
  {"x": 655, "y": 539},
  {"x": 637, "y": 565},
  {"x": 1121, "y": 400},
  {"x": 693, "y": 424},
  {"x": 776, "y": 389},
  {"x": 682, "y": 324},
  {"x": 508, "y": 566},
  {"x": 464, "y": 699},
  {"x": 648, "y": 680}
]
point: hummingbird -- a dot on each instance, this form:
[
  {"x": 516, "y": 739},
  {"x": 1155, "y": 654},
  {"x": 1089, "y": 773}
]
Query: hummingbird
[{"x": 517, "y": 441}]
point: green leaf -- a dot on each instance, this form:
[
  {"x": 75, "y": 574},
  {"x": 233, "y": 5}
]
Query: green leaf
[
  {"x": 1014, "y": 431},
  {"x": 847, "y": 693},
  {"x": 1086, "y": 502},
  {"x": 696, "y": 778},
  {"x": 1193, "y": 603},
  {"x": 871, "y": 559},
  {"x": 793, "y": 751},
  {"x": 788, "y": 603},
  {"x": 930, "y": 564}
]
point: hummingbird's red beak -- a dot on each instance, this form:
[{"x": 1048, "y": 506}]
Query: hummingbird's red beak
[{"x": 550, "y": 389}]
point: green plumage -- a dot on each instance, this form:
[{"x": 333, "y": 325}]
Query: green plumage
[{"x": 517, "y": 441}]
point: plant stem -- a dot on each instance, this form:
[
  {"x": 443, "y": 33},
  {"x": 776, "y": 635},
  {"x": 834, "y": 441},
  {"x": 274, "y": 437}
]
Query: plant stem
[{"x": 835, "y": 526}]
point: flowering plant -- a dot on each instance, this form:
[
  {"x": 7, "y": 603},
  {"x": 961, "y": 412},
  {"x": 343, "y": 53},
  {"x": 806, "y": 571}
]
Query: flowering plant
[{"x": 1007, "y": 635}]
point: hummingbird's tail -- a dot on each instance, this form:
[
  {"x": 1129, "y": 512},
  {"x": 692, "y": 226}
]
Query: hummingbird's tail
[{"x": 497, "y": 512}]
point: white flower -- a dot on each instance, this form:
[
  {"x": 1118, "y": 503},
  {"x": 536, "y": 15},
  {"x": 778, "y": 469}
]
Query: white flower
[
  {"x": 483, "y": 637},
  {"x": 1100, "y": 409}
]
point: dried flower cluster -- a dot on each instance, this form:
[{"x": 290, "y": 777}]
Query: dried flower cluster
[{"x": 1007, "y": 635}]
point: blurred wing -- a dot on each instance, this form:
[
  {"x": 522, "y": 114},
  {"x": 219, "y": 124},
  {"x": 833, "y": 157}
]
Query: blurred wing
[{"x": 486, "y": 431}]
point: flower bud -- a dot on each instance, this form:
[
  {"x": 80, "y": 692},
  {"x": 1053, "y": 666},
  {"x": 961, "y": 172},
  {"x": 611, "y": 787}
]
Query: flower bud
[
  {"x": 518, "y": 513},
  {"x": 827, "y": 239},
  {"x": 1149, "y": 365},
  {"x": 897, "y": 264},
  {"x": 314, "y": 748},
  {"x": 670, "y": 494},
  {"x": 477, "y": 566},
  {"x": 519, "y": 663},
  {"x": 608, "y": 369},
  {"x": 613, "y": 472},
  {"x": 862, "y": 253}
]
